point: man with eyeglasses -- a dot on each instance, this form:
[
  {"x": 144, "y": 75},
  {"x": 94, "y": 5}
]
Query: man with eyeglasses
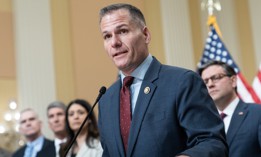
[{"x": 242, "y": 120}]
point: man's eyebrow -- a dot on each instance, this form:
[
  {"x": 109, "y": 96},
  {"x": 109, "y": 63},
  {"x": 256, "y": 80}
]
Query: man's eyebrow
[
  {"x": 22, "y": 121},
  {"x": 117, "y": 27}
]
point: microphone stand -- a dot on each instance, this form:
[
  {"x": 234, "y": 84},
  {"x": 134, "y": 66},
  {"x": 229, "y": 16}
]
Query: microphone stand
[{"x": 101, "y": 92}]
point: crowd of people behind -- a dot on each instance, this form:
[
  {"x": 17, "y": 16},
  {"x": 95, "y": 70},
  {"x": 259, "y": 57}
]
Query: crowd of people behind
[
  {"x": 152, "y": 110},
  {"x": 64, "y": 121}
]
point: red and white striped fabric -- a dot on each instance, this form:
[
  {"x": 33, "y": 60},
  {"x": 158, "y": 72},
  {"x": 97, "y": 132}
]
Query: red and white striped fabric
[
  {"x": 215, "y": 49},
  {"x": 257, "y": 83}
]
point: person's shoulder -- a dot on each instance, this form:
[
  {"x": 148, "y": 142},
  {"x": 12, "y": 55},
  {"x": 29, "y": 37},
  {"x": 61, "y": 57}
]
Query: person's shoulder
[
  {"x": 175, "y": 71},
  {"x": 48, "y": 141},
  {"x": 19, "y": 152},
  {"x": 48, "y": 144},
  {"x": 254, "y": 106},
  {"x": 48, "y": 148},
  {"x": 96, "y": 145}
]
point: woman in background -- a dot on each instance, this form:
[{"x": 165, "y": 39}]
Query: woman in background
[{"x": 87, "y": 144}]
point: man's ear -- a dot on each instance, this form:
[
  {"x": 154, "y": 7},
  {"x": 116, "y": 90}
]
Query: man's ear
[
  {"x": 147, "y": 35},
  {"x": 234, "y": 80}
]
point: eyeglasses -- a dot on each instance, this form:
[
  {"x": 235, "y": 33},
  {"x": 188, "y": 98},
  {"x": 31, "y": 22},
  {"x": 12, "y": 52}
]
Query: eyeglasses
[{"x": 215, "y": 78}]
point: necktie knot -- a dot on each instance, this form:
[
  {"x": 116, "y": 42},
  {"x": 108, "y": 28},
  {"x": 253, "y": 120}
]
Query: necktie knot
[
  {"x": 127, "y": 81},
  {"x": 223, "y": 115}
]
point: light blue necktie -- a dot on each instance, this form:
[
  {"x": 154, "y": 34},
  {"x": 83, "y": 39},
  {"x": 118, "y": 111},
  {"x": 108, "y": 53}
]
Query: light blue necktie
[{"x": 29, "y": 150}]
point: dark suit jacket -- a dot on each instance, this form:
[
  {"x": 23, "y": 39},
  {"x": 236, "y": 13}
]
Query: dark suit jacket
[
  {"x": 48, "y": 150},
  {"x": 244, "y": 132},
  {"x": 176, "y": 116}
]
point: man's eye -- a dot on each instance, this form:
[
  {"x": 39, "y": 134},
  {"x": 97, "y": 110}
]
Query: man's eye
[
  {"x": 218, "y": 77},
  {"x": 124, "y": 31},
  {"x": 106, "y": 37},
  {"x": 22, "y": 122},
  {"x": 51, "y": 116}
]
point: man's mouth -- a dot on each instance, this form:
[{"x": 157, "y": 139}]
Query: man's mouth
[{"x": 119, "y": 53}]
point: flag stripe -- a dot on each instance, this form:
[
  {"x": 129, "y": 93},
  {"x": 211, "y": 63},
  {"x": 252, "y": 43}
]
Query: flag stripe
[
  {"x": 257, "y": 86},
  {"x": 257, "y": 83},
  {"x": 215, "y": 49},
  {"x": 246, "y": 91},
  {"x": 259, "y": 73}
]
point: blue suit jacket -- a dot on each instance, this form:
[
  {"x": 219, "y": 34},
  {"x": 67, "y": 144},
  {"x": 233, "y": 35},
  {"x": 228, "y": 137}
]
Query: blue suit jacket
[
  {"x": 244, "y": 132},
  {"x": 176, "y": 116}
]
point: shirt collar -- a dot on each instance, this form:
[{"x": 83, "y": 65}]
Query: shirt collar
[
  {"x": 58, "y": 141},
  {"x": 37, "y": 141},
  {"x": 141, "y": 70},
  {"x": 229, "y": 110}
]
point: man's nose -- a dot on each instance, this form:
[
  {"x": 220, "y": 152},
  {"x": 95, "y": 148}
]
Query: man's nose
[
  {"x": 210, "y": 83},
  {"x": 115, "y": 41},
  {"x": 28, "y": 123},
  {"x": 56, "y": 119}
]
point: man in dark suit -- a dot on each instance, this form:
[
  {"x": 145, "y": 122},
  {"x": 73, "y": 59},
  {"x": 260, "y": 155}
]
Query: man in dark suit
[
  {"x": 37, "y": 145},
  {"x": 56, "y": 121},
  {"x": 167, "y": 111},
  {"x": 242, "y": 120}
]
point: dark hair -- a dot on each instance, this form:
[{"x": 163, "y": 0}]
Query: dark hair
[
  {"x": 228, "y": 69},
  {"x": 92, "y": 128},
  {"x": 135, "y": 13}
]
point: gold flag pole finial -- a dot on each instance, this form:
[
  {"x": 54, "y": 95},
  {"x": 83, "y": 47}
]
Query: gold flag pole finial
[{"x": 211, "y": 5}]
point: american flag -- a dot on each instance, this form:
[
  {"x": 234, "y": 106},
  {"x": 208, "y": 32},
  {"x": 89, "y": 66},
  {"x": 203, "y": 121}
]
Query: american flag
[
  {"x": 257, "y": 83},
  {"x": 215, "y": 49}
]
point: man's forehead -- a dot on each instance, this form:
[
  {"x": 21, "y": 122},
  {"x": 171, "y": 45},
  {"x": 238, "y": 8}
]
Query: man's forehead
[
  {"x": 214, "y": 68},
  {"x": 114, "y": 15},
  {"x": 28, "y": 114},
  {"x": 55, "y": 110}
]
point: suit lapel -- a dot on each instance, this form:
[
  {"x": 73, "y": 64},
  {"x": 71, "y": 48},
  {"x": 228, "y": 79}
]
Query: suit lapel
[
  {"x": 238, "y": 117},
  {"x": 143, "y": 103},
  {"x": 115, "y": 110}
]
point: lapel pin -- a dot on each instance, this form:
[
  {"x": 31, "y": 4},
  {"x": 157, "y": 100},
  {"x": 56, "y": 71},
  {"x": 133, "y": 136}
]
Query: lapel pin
[
  {"x": 240, "y": 113},
  {"x": 147, "y": 90}
]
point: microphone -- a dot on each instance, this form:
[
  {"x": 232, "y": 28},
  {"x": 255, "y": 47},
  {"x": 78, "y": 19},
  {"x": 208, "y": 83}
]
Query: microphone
[{"x": 101, "y": 92}]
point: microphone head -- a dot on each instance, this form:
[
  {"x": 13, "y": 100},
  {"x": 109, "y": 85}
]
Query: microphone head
[{"x": 102, "y": 90}]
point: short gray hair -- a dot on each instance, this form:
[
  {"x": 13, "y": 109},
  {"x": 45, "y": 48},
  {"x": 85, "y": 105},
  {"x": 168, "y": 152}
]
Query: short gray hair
[
  {"x": 56, "y": 104},
  {"x": 31, "y": 110}
]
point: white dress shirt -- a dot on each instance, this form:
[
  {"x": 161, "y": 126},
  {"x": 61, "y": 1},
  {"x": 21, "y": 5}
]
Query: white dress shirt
[
  {"x": 57, "y": 143},
  {"x": 229, "y": 110}
]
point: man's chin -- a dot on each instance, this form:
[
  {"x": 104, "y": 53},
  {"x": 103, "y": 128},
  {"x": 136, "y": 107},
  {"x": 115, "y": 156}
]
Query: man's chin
[
  {"x": 58, "y": 131},
  {"x": 31, "y": 135}
]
